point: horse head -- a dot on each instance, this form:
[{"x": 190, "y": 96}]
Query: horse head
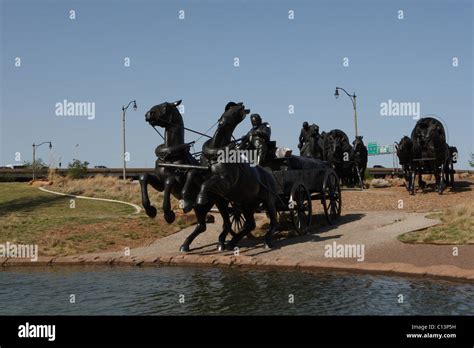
[
  {"x": 164, "y": 115},
  {"x": 405, "y": 150},
  {"x": 358, "y": 143},
  {"x": 234, "y": 113},
  {"x": 167, "y": 115}
]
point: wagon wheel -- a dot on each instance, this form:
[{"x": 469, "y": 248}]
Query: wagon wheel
[
  {"x": 237, "y": 219},
  {"x": 331, "y": 196},
  {"x": 301, "y": 209}
]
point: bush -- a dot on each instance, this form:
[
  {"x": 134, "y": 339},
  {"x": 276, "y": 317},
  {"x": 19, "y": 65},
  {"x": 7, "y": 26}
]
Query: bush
[
  {"x": 367, "y": 175},
  {"x": 7, "y": 177},
  {"x": 39, "y": 165},
  {"x": 77, "y": 169}
]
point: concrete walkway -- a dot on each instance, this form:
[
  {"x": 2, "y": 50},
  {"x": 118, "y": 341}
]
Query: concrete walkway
[{"x": 376, "y": 231}]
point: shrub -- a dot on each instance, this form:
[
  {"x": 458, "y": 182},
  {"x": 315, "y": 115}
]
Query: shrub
[{"x": 77, "y": 169}]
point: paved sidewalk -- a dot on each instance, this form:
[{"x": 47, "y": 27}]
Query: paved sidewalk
[{"x": 376, "y": 231}]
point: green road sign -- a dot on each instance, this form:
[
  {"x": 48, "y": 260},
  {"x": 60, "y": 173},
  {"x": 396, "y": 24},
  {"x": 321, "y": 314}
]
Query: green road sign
[{"x": 374, "y": 149}]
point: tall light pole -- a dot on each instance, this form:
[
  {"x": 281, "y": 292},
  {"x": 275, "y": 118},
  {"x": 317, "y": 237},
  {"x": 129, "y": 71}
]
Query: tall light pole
[
  {"x": 124, "y": 110},
  {"x": 34, "y": 154},
  {"x": 77, "y": 147},
  {"x": 353, "y": 99}
]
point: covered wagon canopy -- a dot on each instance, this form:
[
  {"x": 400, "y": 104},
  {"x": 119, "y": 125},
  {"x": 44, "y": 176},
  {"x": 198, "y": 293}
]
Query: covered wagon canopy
[
  {"x": 425, "y": 127},
  {"x": 339, "y": 134}
]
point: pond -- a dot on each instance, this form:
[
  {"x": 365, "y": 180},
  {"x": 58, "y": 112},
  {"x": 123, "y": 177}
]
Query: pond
[{"x": 172, "y": 290}]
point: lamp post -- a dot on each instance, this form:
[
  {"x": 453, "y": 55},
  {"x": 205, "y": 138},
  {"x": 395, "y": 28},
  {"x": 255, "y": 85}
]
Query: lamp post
[
  {"x": 353, "y": 99},
  {"x": 77, "y": 148},
  {"x": 124, "y": 110},
  {"x": 34, "y": 154}
]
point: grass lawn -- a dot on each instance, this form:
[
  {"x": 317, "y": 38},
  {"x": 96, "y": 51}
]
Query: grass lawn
[
  {"x": 30, "y": 216},
  {"x": 457, "y": 227}
]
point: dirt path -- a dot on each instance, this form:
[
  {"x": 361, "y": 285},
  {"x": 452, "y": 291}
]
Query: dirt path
[{"x": 376, "y": 231}]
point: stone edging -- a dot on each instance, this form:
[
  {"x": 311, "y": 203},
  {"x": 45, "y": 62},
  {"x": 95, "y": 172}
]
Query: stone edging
[{"x": 448, "y": 272}]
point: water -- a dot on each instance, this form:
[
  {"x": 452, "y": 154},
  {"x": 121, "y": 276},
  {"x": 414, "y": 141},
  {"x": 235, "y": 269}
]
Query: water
[{"x": 230, "y": 291}]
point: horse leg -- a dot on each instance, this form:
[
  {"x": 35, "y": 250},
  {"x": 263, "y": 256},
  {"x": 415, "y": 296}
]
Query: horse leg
[
  {"x": 412, "y": 181},
  {"x": 439, "y": 174},
  {"x": 214, "y": 184},
  {"x": 249, "y": 226},
  {"x": 186, "y": 192},
  {"x": 421, "y": 183},
  {"x": 272, "y": 213},
  {"x": 201, "y": 213},
  {"x": 155, "y": 182},
  {"x": 451, "y": 174},
  {"x": 406, "y": 177},
  {"x": 448, "y": 175},
  {"x": 169, "y": 214},
  {"x": 359, "y": 176},
  {"x": 222, "y": 205}
]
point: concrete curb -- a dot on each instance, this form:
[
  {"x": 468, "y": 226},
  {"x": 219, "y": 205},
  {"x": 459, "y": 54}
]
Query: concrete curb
[{"x": 447, "y": 272}]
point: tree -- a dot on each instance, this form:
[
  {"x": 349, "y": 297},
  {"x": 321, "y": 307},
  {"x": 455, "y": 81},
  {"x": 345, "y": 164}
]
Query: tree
[
  {"x": 77, "y": 169},
  {"x": 471, "y": 162}
]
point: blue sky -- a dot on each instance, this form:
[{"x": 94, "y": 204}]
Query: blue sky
[{"x": 282, "y": 62}]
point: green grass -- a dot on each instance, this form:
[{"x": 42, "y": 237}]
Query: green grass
[
  {"x": 30, "y": 216},
  {"x": 457, "y": 227}
]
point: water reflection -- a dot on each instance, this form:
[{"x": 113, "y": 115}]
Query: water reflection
[{"x": 213, "y": 291}]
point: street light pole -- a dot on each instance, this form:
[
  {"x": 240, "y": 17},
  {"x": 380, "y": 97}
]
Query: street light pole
[
  {"x": 124, "y": 110},
  {"x": 34, "y": 155},
  {"x": 354, "y": 105},
  {"x": 33, "y": 165},
  {"x": 355, "y": 115}
]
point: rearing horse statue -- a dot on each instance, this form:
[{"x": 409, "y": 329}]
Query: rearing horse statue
[
  {"x": 171, "y": 180},
  {"x": 247, "y": 186},
  {"x": 173, "y": 150}
]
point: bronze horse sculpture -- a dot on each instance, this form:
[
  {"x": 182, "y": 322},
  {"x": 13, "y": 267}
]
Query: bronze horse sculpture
[
  {"x": 426, "y": 151},
  {"x": 240, "y": 183},
  {"x": 405, "y": 158},
  {"x": 360, "y": 158},
  {"x": 431, "y": 152},
  {"x": 170, "y": 180},
  {"x": 334, "y": 147}
]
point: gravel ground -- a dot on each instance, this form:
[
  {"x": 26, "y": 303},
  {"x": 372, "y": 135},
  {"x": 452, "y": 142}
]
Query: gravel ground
[{"x": 378, "y": 199}]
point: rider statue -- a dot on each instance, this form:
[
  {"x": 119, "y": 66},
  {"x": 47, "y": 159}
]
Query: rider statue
[
  {"x": 304, "y": 137},
  {"x": 258, "y": 138},
  {"x": 306, "y": 132}
]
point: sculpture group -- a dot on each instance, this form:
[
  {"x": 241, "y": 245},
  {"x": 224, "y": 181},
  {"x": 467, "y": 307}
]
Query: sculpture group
[
  {"x": 349, "y": 161},
  {"x": 273, "y": 184},
  {"x": 276, "y": 181}
]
